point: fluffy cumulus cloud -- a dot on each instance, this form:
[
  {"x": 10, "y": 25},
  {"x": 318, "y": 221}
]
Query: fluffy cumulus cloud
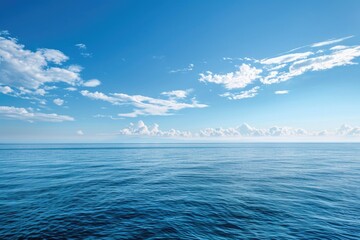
[
  {"x": 144, "y": 105},
  {"x": 141, "y": 129},
  {"x": 58, "y": 101},
  {"x": 28, "y": 71},
  {"x": 244, "y": 131},
  {"x": 347, "y": 130},
  {"x": 244, "y": 76},
  {"x": 30, "y": 115},
  {"x": 286, "y": 66},
  {"x": 5, "y": 89}
]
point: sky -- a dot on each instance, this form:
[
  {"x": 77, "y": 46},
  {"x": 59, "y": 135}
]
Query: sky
[{"x": 164, "y": 71}]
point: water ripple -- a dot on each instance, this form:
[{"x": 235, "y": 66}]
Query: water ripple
[{"x": 180, "y": 191}]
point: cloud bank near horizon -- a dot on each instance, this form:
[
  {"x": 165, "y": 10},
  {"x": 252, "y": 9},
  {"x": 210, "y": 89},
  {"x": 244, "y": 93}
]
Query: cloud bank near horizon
[{"x": 140, "y": 129}]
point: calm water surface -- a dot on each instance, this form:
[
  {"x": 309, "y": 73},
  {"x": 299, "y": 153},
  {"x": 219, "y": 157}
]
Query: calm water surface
[{"x": 180, "y": 191}]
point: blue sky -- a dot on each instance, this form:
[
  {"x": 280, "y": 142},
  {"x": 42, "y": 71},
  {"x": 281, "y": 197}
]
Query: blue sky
[{"x": 114, "y": 71}]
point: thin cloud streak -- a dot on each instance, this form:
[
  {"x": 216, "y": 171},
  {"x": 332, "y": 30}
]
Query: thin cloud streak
[
  {"x": 10, "y": 112},
  {"x": 144, "y": 105}
]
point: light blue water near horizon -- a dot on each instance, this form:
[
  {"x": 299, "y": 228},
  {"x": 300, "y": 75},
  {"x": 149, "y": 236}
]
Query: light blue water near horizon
[{"x": 180, "y": 191}]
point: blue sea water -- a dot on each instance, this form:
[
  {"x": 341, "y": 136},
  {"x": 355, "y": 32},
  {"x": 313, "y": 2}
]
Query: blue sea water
[{"x": 180, "y": 191}]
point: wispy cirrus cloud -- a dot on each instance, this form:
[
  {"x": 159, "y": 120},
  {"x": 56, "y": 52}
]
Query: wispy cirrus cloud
[
  {"x": 331, "y": 59},
  {"x": 83, "y": 50},
  {"x": 81, "y": 46},
  {"x": 330, "y": 41},
  {"x": 286, "y": 58},
  {"x": 144, "y": 105},
  {"x": 190, "y": 67},
  {"x": 24, "y": 114},
  {"x": 284, "y": 67},
  {"x": 177, "y": 93},
  {"x": 242, "y": 95},
  {"x": 107, "y": 116},
  {"x": 101, "y": 96}
]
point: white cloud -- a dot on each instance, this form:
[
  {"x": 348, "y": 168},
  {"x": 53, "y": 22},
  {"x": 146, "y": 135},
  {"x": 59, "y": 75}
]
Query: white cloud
[
  {"x": 177, "y": 93},
  {"x": 92, "y": 83},
  {"x": 338, "y": 47},
  {"x": 5, "y": 90},
  {"x": 52, "y": 55},
  {"x": 347, "y": 130},
  {"x": 100, "y": 96},
  {"x": 230, "y": 59},
  {"x": 187, "y": 69},
  {"x": 284, "y": 67},
  {"x": 107, "y": 116},
  {"x": 27, "y": 71},
  {"x": 50, "y": 87},
  {"x": 329, "y": 42},
  {"x": 244, "y": 131},
  {"x": 154, "y": 106},
  {"x": 341, "y": 57},
  {"x": 143, "y": 105},
  {"x": 141, "y": 129},
  {"x": 81, "y": 46},
  {"x": 286, "y": 58},
  {"x": 24, "y": 68},
  {"x": 337, "y": 58},
  {"x": 280, "y": 92},
  {"x": 86, "y": 54},
  {"x": 31, "y": 116},
  {"x": 243, "y": 94},
  {"x": 83, "y": 49},
  {"x": 58, "y": 101},
  {"x": 233, "y": 80},
  {"x": 71, "y": 89},
  {"x": 79, "y": 132}
]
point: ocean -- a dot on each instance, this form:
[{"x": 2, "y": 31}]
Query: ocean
[{"x": 180, "y": 191}]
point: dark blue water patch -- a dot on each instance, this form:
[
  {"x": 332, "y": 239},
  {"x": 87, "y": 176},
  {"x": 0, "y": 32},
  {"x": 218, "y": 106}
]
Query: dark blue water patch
[{"x": 180, "y": 191}]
